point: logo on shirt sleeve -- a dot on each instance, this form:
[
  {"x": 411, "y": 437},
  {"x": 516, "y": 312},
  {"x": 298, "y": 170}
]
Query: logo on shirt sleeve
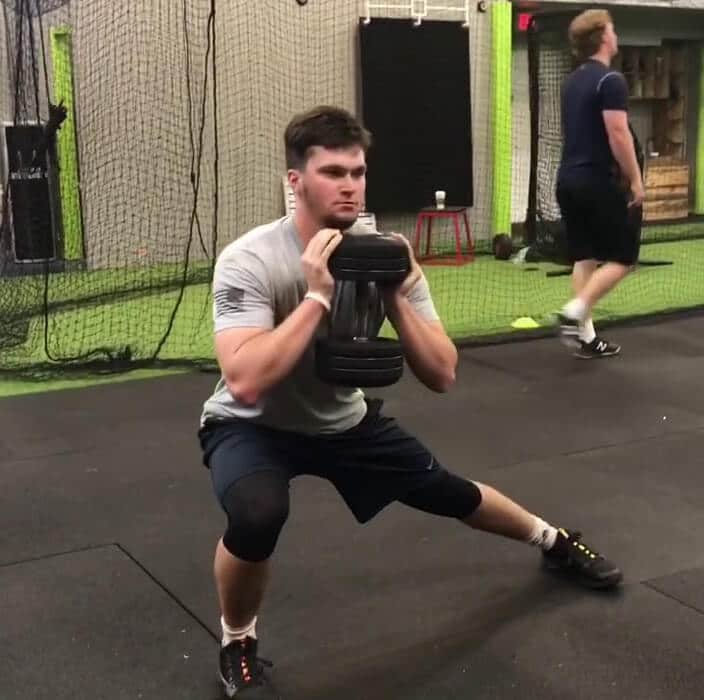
[{"x": 228, "y": 301}]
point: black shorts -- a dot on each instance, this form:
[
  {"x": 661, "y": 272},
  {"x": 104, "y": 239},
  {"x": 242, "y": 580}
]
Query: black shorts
[
  {"x": 371, "y": 465},
  {"x": 599, "y": 223}
]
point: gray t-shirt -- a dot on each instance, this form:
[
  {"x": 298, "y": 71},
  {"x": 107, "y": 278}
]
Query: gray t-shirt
[{"x": 258, "y": 282}]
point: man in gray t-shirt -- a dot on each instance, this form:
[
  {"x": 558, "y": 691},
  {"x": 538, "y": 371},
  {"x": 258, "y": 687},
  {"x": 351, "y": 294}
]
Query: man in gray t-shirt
[
  {"x": 271, "y": 419},
  {"x": 258, "y": 283}
]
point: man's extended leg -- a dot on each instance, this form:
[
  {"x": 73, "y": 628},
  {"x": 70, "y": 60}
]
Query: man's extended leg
[
  {"x": 501, "y": 516},
  {"x": 484, "y": 508},
  {"x": 563, "y": 551}
]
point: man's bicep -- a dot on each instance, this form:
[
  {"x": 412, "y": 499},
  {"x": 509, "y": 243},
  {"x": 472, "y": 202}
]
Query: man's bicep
[{"x": 230, "y": 340}]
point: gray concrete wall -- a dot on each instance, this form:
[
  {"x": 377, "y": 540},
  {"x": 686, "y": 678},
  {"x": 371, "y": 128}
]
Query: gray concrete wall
[
  {"x": 274, "y": 59},
  {"x": 132, "y": 110},
  {"x": 299, "y": 57}
]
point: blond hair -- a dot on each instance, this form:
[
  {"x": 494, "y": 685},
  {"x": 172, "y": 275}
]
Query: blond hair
[{"x": 586, "y": 32}]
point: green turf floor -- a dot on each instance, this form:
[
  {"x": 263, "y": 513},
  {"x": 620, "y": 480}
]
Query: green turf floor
[
  {"x": 485, "y": 297},
  {"x": 21, "y": 387},
  {"x": 475, "y": 300}
]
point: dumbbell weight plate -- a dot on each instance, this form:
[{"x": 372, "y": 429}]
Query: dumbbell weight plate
[
  {"x": 370, "y": 258},
  {"x": 359, "y": 363}
]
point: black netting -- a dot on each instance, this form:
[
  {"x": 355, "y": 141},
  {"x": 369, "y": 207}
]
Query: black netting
[
  {"x": 138, "y": 138},
  {"x": 33, "y": 8},
  {"x": 549, "y": 61},
  {"x": 121, "y": 99}
]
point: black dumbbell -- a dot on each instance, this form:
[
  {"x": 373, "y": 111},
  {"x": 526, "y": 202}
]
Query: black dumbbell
[
  {"x": 352, "y": 354},
  {"x": 370, "y": 258}
]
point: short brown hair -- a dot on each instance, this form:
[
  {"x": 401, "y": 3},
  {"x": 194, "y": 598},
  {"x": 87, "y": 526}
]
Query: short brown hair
[
  {"x": 329, "y": 127},
  {"x": 586, "y": 32}
]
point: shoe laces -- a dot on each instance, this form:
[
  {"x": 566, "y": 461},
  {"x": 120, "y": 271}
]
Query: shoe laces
[
  {"x": 243, "y": 666},
  {"x": 578, "y": 549}
]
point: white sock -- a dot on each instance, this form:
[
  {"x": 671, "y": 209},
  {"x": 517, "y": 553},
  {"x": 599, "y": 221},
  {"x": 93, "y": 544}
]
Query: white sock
[
  {"x": 230, "y": 634},
  {"x": 543, "y": 535},
  {"x": 576, "y": 309},
  {"x": 586, "y": 331}
]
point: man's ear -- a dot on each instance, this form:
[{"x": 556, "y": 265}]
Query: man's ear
[{"x": 294, "y": 179}]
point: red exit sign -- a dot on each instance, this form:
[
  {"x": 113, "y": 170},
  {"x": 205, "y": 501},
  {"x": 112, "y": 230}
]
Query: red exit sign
[{"x": 524, "y": 20}]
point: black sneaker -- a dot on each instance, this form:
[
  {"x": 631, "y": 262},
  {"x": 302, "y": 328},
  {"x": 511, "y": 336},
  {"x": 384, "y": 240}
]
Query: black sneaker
[
  {"x": 570, "y": 556},
  {"x": 597, "y": 348},
  {"x": 242, "y": 673},
  {"x": 569, "y": 330}
]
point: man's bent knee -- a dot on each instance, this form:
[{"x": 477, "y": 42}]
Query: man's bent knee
[{"x": 257, "y": 507}]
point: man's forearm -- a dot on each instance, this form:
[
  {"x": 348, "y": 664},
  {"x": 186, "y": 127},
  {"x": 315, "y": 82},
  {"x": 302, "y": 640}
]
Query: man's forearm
[
  {"x": 266, "y": 359},
  {"x": 624, "y": 152},
  {"x": 429, "y": 352}
]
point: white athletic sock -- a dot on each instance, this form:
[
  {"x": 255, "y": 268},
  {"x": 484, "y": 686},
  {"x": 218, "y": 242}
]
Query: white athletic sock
[
  {"x": 586, "y": 331},
  {"x": 543, "y": 535},
  {"x": 576, "y": 309},
  {"x": 230, "y": 634}
]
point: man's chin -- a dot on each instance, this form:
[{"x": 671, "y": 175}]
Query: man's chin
[{"x": 340, "y": 222}]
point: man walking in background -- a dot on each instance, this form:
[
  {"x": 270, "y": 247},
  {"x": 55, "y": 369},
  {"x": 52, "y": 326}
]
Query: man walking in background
[{"x": 600, "y": 185}]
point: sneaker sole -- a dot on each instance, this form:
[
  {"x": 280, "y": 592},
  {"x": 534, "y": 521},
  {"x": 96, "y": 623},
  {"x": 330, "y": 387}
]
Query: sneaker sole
[
  {"x": 227, "y": 689},
  {"x": 613, "y": 581},
  {"x": 596, "y": 356},
  {"x": 231, "y": 693}
]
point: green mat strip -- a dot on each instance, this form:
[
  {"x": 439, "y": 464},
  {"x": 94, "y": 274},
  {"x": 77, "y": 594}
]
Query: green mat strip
[
  {"x": 67, "y": 151},
  {"x": 699, "y": 161},
  {"x": 501, "y": 116}
]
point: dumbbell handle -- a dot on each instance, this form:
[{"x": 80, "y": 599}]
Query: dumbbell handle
[{"x": 362, "y": 302}]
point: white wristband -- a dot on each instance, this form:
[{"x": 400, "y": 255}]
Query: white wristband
[{"x": 316, "y": 296}]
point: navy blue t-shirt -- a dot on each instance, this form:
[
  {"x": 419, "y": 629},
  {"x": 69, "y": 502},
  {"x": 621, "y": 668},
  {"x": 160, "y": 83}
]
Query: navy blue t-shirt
[{"x": 586, "y": 93}]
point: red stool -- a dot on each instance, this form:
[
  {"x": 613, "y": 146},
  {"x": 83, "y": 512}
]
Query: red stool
[{"x": 426, "y": 215}]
